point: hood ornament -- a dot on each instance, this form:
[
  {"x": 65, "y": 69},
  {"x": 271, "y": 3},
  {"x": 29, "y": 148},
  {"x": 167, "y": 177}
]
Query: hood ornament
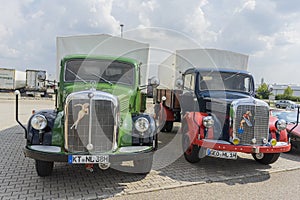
[
  {"x": 84, "y": 111},
  {"x": 245, "y": 119}
]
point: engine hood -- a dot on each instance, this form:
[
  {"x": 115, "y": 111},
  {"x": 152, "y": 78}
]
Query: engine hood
[
  {"x": 123, "y": 94},
  {"x": 223, "y": 96}
]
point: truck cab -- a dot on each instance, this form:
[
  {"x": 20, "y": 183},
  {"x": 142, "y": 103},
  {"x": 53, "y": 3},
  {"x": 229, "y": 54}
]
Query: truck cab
[
  {"x": 99, "y": 116},
  {"x": 220, "y": 116}
]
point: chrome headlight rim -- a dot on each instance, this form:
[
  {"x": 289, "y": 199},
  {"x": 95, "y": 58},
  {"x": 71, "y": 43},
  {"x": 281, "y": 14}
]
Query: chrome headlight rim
[
  {"x": 208, "y": 121},
  {"x": 142, "y": 124},
  {"x": 280, "y": 124},
  {"x": 39, "y": 122}
]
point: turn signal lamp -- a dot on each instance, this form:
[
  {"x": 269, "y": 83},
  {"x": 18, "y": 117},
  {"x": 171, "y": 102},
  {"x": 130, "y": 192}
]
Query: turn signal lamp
[
  {"x": 236, "y": 141},
  {"x": 273, "y": 142}
]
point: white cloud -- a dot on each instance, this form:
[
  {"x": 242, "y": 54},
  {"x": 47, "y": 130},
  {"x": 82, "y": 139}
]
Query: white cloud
[{"x": 267, "y": 30}]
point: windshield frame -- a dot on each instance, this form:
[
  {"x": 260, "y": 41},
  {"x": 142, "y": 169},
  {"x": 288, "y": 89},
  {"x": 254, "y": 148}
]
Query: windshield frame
[{"x": 202, "y": 73}]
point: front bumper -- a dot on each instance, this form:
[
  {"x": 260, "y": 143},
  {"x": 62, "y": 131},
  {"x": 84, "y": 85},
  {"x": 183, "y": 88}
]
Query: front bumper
[
  {"x": 63, "y": 157},
  {"x": 226, "y": 146}
]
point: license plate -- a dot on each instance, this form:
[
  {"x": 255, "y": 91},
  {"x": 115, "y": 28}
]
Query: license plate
[
  {"x": 221, "y": 154},
  {"x": 88, "y": 159}
]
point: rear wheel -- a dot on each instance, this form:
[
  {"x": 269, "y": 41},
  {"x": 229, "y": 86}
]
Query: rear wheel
[
  {"x": 167, "y": 127},
  {"x": 266, "y": 158},
  {"x": 43, "y": 168}
]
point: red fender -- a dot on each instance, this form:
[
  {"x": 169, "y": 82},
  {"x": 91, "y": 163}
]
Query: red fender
[
  {"x": 194, "y": 121},
  {"x": 164, "y": 113},
  {"x": 273, "y": 129}
]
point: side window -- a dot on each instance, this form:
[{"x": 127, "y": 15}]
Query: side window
[
  {"x": 189, "y": 82},
  {"x": 246, "y": 87}
]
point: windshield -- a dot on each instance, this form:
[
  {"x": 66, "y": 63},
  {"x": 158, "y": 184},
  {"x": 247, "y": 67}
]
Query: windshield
[
  {"x": 226, "y": 81},
  {"x": 86, "y": 70}
]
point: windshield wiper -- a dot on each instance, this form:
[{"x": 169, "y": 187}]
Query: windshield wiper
[
  {"x": 78, "y": 77},
  {"x": 103, "y": 79}
]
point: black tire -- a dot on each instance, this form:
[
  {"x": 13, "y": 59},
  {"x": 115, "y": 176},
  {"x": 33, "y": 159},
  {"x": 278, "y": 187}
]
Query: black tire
[
  {"x": 167, "y": 127},
  {"x": 143, "y": 166},
  {"x": 267, "y": 158},
  {"x": 191, "y": 152},
  {"x": 277, "y": 106},
  {"x": 43, "y": 168}
]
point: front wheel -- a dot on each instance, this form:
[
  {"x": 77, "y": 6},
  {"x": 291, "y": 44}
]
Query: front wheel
[
  {"x": 191, "y": 152},
  {"x": 43, "y": 168},
  {"x": 266, "y": 158}
]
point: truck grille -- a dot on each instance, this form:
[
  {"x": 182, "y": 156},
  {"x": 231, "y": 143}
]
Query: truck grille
[
  {"x": 259, "y": 121},
  {"x": 99, "y": 121}
]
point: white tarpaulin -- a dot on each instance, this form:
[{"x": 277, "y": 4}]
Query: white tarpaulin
[
  {"x": 182, "y": 60},
  {"x": 104, "y": 45}
]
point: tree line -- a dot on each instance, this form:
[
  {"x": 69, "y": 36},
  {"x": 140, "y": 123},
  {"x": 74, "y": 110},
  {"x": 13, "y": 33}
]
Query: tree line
[{"x": 264, "y": 91}]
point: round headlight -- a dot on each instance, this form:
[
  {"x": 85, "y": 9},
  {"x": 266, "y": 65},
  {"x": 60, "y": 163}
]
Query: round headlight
[
  {"x": 142, "y": 124},
  {"x": 38, "y": 122},
  {"x": 280, "y": 124},
  {"x": 208, "y": 121}
]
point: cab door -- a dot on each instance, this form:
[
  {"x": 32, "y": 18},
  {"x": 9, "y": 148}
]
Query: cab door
[{"x": 188, "y": 100}]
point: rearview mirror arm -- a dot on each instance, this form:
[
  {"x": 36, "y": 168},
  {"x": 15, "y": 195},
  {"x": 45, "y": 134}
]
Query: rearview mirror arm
[{"x": 17, "y": 93}]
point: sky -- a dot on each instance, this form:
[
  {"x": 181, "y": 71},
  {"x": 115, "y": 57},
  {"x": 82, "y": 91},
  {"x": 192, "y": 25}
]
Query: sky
[{"x": 266, "y": 30}]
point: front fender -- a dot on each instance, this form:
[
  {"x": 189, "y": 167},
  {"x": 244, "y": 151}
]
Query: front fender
[
  {"x": 147, "y": 137},
  {"x": 44, "y": 136},
  {"x": 283, "y": 135},
  {"x": 194, "y": 126}
]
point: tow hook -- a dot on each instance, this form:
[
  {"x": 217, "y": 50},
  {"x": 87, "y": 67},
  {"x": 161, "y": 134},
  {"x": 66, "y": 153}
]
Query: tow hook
[
  {"x": 104, "y": 166},
  {"x": 89, "y": 167}
]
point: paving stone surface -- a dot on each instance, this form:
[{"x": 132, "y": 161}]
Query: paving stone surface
[{"x": 18, "y": 178}]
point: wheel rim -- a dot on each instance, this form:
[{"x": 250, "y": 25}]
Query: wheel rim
[{"x": 259, "y": 156}]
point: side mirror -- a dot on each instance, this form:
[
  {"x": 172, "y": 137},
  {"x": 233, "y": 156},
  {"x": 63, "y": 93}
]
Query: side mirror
[
  {"x": 154, "y": 82},
  {"x": 179, "y": 83},
  {"x": 41, "y": 76}
]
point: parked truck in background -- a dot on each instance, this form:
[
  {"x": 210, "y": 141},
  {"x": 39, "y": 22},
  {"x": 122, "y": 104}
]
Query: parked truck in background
[
  {"x": 36, "y": 82},
  {"x": 215, "y": 103},
  {"x": 99, "y": 116},
  {"x": 12, "y": 79}
]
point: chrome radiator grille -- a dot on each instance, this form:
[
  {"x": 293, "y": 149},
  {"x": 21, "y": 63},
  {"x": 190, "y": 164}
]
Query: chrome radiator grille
[
  {"x": 259, "y": 120},
  {"x": 99, "y": 121}
]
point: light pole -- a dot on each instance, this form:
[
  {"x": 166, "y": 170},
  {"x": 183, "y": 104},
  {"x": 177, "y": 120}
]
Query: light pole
[{"x": 121, "y": 25}]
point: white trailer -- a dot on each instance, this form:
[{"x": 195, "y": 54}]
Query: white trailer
[
  {"x": 12, "y": 79},
  {"x": 106, "y": 45},
  {"x": 182, "y": 60},
  {"x": 34, "y": 85},
  {"x": 177, "y": 63}
]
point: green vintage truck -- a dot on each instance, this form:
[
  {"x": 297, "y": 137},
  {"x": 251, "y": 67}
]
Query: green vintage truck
[{"x": 99, "y": 115}]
